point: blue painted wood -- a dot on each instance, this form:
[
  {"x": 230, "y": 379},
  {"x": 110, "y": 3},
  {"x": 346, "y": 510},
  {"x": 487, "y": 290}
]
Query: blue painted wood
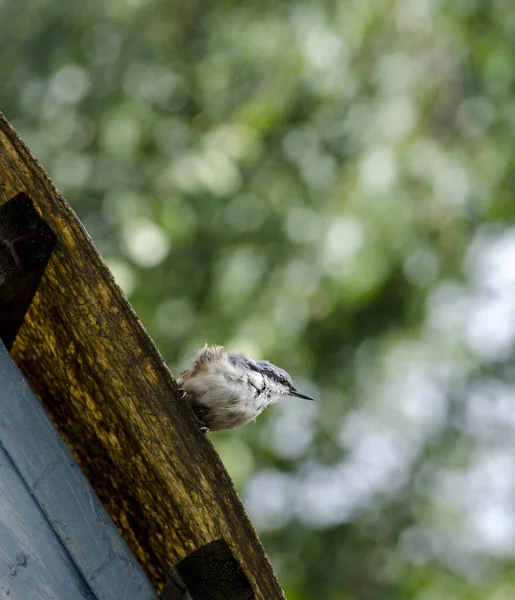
[
  {"x": 64, "y": 495},
  {"x": 33, "y": 563}
]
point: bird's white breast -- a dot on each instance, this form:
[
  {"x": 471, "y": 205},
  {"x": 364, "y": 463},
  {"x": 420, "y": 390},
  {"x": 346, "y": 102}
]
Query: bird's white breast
[{"x": 233, "y": 396}]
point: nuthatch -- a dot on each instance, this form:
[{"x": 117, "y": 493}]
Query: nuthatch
[{"x": 229, "y": 390}]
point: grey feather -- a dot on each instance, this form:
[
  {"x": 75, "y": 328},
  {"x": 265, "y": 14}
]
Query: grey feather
[
  {"x": 229, "y": 390},
  {"x": 261, "y": 366}
]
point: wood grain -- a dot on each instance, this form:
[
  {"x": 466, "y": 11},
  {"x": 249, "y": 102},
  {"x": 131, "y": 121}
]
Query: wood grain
[
  {"x": 114, "y": 401},
  {"x": 49, "y": 514},
  {"x": 33, "y": 563}
]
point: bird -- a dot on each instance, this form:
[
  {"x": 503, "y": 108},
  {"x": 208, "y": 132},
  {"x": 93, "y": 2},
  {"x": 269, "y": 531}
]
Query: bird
[{"x": 229, "y": 390}]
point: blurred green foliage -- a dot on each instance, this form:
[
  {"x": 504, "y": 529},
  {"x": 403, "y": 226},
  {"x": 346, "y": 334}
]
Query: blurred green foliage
[{"x": 328, "y": 185}]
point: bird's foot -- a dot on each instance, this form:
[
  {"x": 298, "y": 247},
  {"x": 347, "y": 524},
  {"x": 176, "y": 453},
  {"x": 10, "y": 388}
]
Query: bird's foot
[{"x": 203, "y": 427}]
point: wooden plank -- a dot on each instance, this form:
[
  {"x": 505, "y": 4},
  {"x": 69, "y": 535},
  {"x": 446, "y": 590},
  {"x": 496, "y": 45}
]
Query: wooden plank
[
  {"x": 115, "y": 403},
  {"x": 33, "y": 563},
  {"x": 65, "y": 496}
]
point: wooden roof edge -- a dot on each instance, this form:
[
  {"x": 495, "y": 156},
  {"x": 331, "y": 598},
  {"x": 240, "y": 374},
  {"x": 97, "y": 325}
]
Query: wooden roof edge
[
  {"x": 51, "y": 483},
  {"x": 109, "y": 393}
]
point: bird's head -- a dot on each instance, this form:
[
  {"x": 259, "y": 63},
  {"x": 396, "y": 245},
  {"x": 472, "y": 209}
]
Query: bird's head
[{"x": 265, "y": 376}]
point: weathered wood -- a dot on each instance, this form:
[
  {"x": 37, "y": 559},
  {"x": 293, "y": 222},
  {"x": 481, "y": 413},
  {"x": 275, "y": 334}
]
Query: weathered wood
[
  {"x": 52, "y": 480},
  {"x": 33, "y": 563},
  {"x": 111, "y": 396}
]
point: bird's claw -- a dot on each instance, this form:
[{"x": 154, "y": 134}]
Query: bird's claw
[{"x": 203, "y": 427}]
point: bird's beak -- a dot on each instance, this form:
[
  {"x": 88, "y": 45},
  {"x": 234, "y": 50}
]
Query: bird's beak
[{"x": 293, "y": 392}]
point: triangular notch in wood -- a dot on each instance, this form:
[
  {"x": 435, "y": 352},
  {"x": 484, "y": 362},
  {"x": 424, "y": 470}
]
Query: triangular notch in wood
[{"x": 26, "y": 243}]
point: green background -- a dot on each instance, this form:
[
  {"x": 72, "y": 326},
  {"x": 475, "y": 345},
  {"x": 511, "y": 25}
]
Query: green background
[{"x": 328, "y": 185}]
